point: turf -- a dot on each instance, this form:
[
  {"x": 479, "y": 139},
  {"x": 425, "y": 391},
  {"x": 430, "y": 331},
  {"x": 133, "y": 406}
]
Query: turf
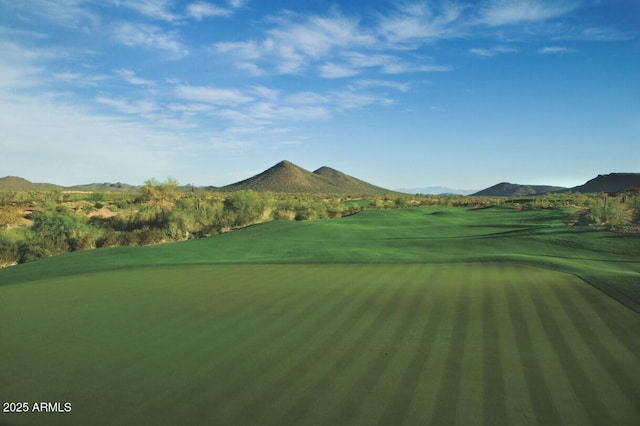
[
  {"x": 604, "y": 259},
  {"x": 311, "y": 344},
  {"x": 419, "y": 316}
]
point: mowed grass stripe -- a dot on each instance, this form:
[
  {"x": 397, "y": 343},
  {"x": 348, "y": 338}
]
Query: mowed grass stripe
[
  {"x": 494, "y": 409},
  {"x": 515, "y": 370},
  {"x": 446, "y": 405},
  {"x": 289, "y": 360},
  {"x": 616, "y": 325},
  {"x": 470, "y": 398},
  {"x": 594, "y": 367},
  {"x": 380, "y": 372},
  {"x": 397, "y": 409},
  {"x": 256, "y": 349},
  {"x": 189, "y": 350},
  {"x": 337, "y": 365},
  {"x": 290, "y": 379},
  {"x": 445, "y": 296},
  {"x": 236, "y": 341},
  {"x": 609, "y": 369},
  {"x": 579, "y": 379},
  {"x": 544, "y": 407}
]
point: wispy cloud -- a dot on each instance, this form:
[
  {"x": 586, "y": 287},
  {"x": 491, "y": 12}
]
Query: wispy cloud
[
  {"x": 201, "y": 9},
  {"x": 493, "y": 51},
  {"x": 141, "y": 106},
  {"x": 421, "y": 22},
  {"x": 155, "y": 9},
  {"x": 149, "y": 37},
  {"x": 604, "y": 34},
  {"x": 96, "y": 144},
  {"x": 402, "y": 87},
  {"x": 297, "y": 43},
  {"x": 333, "y": 70},
  {"x": 212, "y": 95},
  {"x": 552, "y": 50},
  {"x": 61, "y": 13},
  {"x": 510, "y": 12},
  {"x": 130, "y": 77}
]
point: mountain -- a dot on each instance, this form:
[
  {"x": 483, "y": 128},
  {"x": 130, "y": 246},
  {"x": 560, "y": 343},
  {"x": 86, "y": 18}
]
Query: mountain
[
  {"x": 613, "y": 182},
  {"x": 506, "y": 189},
  {"x": 348, "y": 184},
  {"x": 107, "y": 186},
  {"x": 14, "y": 183},
  {"x": 288, "y": 177},
  {"x": 437, "y": 190}
]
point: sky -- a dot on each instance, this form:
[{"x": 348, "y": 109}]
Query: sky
[{"x": 401, "y": 94}]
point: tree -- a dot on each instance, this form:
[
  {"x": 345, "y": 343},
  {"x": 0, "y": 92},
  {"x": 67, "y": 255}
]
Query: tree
[{"x": 161, "y": 195}]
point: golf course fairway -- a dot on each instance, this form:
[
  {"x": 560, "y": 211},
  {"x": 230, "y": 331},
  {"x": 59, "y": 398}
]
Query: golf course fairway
[{"x": 401, "y": 317}]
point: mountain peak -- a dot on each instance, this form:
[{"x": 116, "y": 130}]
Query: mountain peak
[{"x": 288, "y": 177}]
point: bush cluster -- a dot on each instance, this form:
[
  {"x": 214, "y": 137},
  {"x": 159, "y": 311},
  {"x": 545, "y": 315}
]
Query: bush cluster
[{"x": 40, "y": 224}]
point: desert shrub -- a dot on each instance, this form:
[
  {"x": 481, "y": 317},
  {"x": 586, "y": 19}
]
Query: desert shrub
[
  {"x": 10, "y": 215},
  {"x": 609, "y": 211},
  {"x": 243, "y": 208},
  {"x": 60, "y": 230},
  {"x": 9, "y": 249}
]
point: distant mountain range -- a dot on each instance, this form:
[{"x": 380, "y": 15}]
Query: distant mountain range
[
  {"x": 437, "y": 190},
  {"x": 613, "y": 182},
  {"x": 286, "y": 177}
]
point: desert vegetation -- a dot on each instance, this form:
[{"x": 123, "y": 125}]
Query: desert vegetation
[{"x": 37, "y": 224}]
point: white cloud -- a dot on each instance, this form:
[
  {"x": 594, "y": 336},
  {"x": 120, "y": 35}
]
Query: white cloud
[
  {"x": 420, "y": 22},
  {"x": 296, "y": 42},
  {"x": 142, "y": 106},
  {"x": 597, "y": 34},
  {"x": 148, "y": 36},
  {"x": 237, "y": 4},
  {"x": 39, "y": 143},
  {"x": 243, "y": 49},
  {"x": 306, "y": 98},
  {"x": 510, "y": 12},
  {"x": 212, "y": 95},
  {"x": 265, "y": 92},
  {"x": 391, "y": 64},
  {"x": 493, "y": 51},
  {"x": 550, "y": 50},
  {"x": 130, "y": 77},
  {"x": 332, "y": 70},
  {"x": 62, "y": 13},
  {"x": 402, "y": 87},
  {"x": 155, "y": 9},
  {"x": 201, "y": 9}
]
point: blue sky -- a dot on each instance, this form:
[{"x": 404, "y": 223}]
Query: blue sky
[{"x": 463, "y": 94}]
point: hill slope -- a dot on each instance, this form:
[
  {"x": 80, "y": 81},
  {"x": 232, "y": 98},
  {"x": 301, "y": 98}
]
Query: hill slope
[
  {"x": 613, "y": 182},
  {"x": 15, "y": 183},
  {"x": 348, "y": 183},
  {"x": 288, "y": 177},
  {"x": 506, "y": 189}
]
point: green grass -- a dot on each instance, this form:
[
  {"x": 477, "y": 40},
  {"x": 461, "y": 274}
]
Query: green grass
[
  {"x": 419, "y": 316},
  {"x": 606, "y": 260}
]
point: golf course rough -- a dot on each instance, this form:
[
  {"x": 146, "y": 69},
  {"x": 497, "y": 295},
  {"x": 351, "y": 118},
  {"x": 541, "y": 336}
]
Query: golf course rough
[{"x": 432, "y": 342}]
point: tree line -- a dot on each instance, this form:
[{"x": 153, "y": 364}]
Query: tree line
[{"x": 34, "y": 225}]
